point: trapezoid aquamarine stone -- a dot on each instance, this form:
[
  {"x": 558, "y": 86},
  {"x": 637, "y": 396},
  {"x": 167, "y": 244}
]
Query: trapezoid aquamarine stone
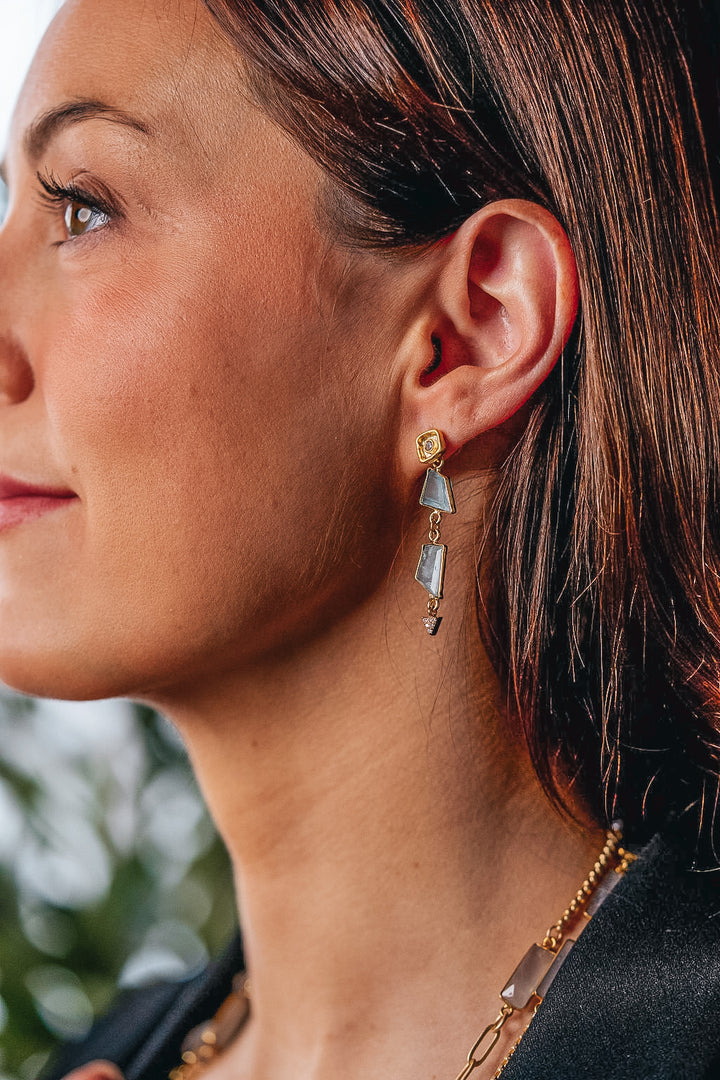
[
  {"x": 431, "y": 568},
  {"x": 523, "y": 982},
  {"x": 437, "y": 492}
]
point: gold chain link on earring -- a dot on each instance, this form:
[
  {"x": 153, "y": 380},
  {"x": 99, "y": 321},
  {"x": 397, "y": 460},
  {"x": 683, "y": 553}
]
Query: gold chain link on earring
[{"x": 435, "y": 519}]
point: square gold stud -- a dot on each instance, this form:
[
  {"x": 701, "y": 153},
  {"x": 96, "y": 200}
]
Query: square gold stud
[{"x": 430, "y": 445}]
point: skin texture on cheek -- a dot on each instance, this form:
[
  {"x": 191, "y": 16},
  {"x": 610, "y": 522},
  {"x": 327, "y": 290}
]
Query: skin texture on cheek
[{"x": 201, "y": 455}]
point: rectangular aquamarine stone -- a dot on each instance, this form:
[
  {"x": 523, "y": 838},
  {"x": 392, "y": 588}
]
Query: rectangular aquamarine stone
[
  {"x": 437, "y": 492},
  {"x": 560, "y": 958},
  {"x": 602, "y": 891},
  {"x": 524, "y": 980},
  {"x": 431, "y": 568}
]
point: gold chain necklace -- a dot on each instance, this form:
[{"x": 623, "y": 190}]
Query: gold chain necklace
[{"x": 527, "y": 985}]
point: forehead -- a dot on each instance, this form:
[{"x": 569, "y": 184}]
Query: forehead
[{"x": 162, "y": 60}]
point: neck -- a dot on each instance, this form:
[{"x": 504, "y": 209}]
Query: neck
[{"x": 388, "y": 837}]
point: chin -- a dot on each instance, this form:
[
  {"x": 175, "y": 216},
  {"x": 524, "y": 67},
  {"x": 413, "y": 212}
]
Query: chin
[{"x": 65, "y": 676}]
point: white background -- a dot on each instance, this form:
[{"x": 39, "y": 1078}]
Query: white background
[{"x": 22, "y": 23}]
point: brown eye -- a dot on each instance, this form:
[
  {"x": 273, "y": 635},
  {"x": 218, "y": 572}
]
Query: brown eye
[{"x": 81, "y": 218}]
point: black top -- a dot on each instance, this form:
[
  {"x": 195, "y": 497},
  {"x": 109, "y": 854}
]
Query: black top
[{"x": 637, "y": 999}]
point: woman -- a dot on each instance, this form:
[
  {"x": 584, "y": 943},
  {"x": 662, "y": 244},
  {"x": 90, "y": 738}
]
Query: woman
[{"x": 269, "y": 268}]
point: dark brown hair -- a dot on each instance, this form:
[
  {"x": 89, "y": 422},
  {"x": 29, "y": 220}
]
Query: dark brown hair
[{"x": 606, "y": 616}]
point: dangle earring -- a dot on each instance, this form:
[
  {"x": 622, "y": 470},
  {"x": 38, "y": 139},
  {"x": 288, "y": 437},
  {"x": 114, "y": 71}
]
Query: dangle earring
[{"x": 437, "y": 494}]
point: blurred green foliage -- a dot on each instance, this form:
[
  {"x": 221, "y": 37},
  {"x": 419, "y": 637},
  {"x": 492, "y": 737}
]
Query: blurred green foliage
[{"x": 110, "y": 869}]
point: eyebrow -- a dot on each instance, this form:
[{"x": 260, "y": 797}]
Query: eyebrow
[{"x": 49, "y": 124}]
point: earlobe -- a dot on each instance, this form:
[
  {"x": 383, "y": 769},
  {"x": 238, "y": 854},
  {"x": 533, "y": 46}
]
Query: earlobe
[{"x": 505, "y": 301}]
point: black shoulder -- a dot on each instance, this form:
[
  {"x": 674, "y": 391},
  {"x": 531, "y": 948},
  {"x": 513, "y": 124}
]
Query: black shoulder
[
  {"x": 144, "y": 1030},
  {"x": 639, "y": 996}
]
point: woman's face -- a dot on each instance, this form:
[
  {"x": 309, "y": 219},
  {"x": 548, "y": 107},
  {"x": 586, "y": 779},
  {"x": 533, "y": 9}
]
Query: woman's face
[{"x": 180, "y": 356}]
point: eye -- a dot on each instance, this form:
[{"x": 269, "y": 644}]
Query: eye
[
  {"x": 81, "y": 218},
  {"x": 83, "y": 211}
]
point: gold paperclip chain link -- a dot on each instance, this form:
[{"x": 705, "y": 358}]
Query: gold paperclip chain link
[{"x": 492, "y": 1031}]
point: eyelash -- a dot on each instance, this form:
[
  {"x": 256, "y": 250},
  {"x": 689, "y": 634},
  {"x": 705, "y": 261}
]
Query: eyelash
[{"x": 58, "y": 195}]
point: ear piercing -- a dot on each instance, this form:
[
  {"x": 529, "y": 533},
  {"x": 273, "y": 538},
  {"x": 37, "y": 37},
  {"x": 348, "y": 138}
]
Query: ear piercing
[{"x": 437, "y": 494}]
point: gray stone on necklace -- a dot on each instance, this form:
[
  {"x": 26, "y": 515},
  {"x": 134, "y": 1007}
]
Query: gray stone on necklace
[
  {"x": 602, "y": 890},
  {"x": 524, "y": 980},
  {"x": 544, "y": 985}
]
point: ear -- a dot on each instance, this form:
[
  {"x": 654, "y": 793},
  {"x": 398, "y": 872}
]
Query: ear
[{"x": 500, "y": 309}]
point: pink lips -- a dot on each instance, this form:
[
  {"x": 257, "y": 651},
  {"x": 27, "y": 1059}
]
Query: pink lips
[{"x": 20, "y": 502}]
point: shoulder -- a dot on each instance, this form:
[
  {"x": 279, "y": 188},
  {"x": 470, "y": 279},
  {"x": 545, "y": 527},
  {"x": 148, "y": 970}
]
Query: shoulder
[
  {"x": 639, "y": 996},
  {"x": 143, "y": 1033}
]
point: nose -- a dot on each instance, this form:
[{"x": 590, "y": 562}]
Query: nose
[{"x": 16, "y": 374}]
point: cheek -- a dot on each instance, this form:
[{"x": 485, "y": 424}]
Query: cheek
[{"x": 206, "y": 431}]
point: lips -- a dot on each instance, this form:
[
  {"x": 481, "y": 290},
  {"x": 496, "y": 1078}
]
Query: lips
[{"x": 21, "y": 502}]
